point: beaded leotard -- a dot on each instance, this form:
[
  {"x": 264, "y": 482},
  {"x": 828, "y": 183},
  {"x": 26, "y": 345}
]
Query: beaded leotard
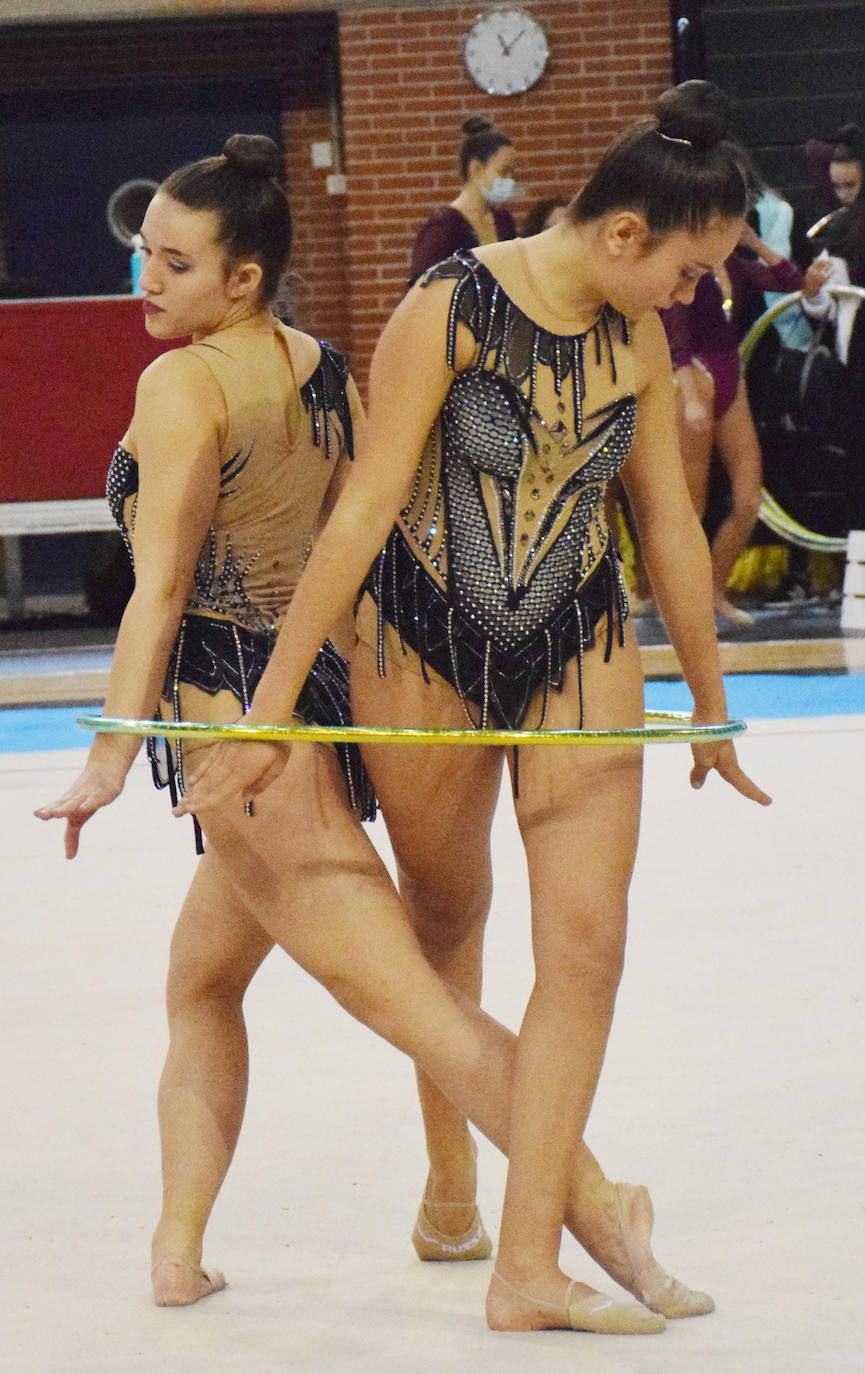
[
  {"x": 271, "y": 489},
  {"x": 501, "y": 564}
]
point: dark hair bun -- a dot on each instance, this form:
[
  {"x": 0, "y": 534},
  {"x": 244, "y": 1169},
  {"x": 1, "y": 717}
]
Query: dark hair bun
[
  {"x": 255, "y": 155},
  {"x": 850, "y": 136},
  {"x": 695, "y": 111},
  {"x": 477, "y": 124}
]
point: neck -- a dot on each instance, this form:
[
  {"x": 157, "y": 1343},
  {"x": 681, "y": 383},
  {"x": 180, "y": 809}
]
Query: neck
[
  {"x": 470, "y": 202},
  {"x": 562, "y": 262},
  {"x": 242, "y": 313}
]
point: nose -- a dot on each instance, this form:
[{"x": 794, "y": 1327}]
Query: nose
[
  {"x": 149, "y": 279},
  {"x": 684, "y": 292}
]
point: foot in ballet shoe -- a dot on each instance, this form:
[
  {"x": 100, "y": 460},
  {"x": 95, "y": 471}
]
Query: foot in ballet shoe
[
  {"x": 433, "y": 1244},
  {"x": 178, "y": 1283},
  {"x": 646, "y": 1279},
  {"x": 510, "y": 1309}
]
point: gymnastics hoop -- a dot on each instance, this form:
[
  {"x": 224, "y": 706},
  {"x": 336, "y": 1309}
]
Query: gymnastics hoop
[
  {"x": 774, "y": 516},
  {"x": 662, "y": 727}
]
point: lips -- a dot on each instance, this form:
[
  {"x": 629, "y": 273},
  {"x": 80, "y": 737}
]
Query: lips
[{"x": 150, "y": 309}]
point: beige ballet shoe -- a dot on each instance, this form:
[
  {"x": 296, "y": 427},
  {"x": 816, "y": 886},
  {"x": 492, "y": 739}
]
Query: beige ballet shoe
[
  {"x": 433, "y": 1244},
  {"x": 596, "y": 1313},
  {"x": 177, "y": 1283},
  {"x": 646, "y": 1279}
]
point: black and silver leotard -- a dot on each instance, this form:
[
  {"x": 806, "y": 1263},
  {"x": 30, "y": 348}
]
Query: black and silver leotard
[
  {"x": 501, "y": 564},
  {"x": 270, "y": 495}
]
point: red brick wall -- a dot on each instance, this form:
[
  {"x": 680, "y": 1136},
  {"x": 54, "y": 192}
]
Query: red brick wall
[
  {"x": 319, "y": 279},
  {"x": 406, "y": 93}
]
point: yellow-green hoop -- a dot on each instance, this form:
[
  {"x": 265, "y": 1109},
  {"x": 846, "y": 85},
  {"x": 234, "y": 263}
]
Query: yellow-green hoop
[
  {"x": 662, "y": 727},
  {"x": 774, "y": 516}
]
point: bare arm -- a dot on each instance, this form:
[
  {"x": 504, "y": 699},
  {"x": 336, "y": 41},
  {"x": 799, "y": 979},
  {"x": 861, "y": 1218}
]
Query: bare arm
[
  {"x": 178, "y": 464},
  {"x": 676, "y": 552}
]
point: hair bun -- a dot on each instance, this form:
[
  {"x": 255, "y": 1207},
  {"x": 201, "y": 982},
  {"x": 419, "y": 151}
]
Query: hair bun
[
  {"x": 697, "y": 112},
  {"x": 255, "y": 155},
  {"x": 477, "y": 124},
  {"x": 850, "y": 136}
]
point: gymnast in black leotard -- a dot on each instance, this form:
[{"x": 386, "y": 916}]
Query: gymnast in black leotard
[
  {"x": 506, "y": 389},
  {"x": 500, "y": 566}
]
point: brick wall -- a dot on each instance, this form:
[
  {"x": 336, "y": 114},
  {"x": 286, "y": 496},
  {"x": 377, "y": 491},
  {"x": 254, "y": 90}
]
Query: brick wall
[
  {"x": 405, "y": 93},
  {"x": 319, "y": 279}
]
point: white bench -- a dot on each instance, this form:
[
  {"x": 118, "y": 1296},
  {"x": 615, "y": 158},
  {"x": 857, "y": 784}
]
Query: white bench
[{"x": 20, "y": 518}]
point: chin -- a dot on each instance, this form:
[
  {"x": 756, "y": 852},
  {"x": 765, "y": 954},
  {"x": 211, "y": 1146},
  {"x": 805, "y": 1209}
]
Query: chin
[{"x": 159, "y": 327}]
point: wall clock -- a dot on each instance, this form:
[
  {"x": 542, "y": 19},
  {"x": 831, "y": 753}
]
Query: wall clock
[{"x": 506, "y": 50}]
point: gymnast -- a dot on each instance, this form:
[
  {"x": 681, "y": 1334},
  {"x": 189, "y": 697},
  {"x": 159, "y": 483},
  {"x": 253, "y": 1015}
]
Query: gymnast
[
  {"x": 234, "y": 453},
  {"x": 508, "y": 388}
]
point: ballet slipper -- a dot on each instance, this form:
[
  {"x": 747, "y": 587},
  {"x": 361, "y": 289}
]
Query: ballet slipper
[
  {"x": 645, "y": 1278},
  {"x": 433, "y": 1244},
  {"x": 177, "y": 1283},
  {"x": 596, "y": 1313}
]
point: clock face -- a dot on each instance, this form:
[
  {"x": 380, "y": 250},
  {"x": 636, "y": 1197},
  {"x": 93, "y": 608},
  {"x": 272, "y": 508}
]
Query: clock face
[{"x": 506, "y": 51}]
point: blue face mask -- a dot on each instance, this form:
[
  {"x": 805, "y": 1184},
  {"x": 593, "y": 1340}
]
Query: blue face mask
[{"x": 501, "y": 190}]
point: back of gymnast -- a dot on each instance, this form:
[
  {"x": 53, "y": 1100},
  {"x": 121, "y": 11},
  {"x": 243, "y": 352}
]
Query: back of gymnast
[{"x": 508, "y": 388}]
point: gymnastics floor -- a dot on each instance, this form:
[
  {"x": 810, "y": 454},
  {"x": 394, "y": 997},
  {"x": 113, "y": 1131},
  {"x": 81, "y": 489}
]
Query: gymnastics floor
[{"x": 733, "y": 1086}]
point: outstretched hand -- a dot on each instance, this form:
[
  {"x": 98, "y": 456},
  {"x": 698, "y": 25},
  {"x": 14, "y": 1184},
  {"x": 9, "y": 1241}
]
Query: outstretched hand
[
  {"x": 230, "y": 770},
  {"x": 94, "y": 788},
  {"x": 720, "y": 755}
]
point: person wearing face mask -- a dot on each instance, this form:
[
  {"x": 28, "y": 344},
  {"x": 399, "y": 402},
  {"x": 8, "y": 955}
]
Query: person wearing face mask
[{"x": 478, "y": 214}]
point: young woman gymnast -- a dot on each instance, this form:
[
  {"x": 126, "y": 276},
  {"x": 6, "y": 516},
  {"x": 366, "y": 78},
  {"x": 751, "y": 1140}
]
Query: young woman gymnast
[{"x": 508, "y": 388}]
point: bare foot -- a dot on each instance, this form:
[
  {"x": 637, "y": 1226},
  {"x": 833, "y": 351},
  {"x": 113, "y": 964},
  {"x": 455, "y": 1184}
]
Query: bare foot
[
  {"x": 727, "y": 611},
  {"x": 562, "y": 1305},
  {"x": 177, "y": 1283}
]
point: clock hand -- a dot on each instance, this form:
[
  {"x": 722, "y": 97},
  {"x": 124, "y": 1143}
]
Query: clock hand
[
  {"x": 503, "y": 45},
  {"x": 516, "y": 38}
]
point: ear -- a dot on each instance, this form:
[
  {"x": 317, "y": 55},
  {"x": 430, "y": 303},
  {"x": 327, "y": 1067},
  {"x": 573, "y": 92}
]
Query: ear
[
  {"x": 626, "y": 234},
  {"x": 245, "y": 279}
]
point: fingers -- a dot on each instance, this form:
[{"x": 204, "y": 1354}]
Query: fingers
[
  {"x": 726, "y": 764},
  {"x": 70, "y": 839},
  {"x": 233, "y": 772}
]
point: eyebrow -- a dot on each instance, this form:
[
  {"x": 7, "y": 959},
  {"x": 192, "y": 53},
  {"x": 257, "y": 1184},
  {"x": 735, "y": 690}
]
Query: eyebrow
[{"x": 172, "y": 252}]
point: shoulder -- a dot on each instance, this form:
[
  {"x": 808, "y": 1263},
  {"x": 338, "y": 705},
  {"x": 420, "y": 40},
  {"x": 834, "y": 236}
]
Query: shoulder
[
  {"x": 305, "y": 352},
  {"x": 447, "y": 216},
  {"x": 506, "y": 225},
  {"x": 181, "y": 372},
  {"x": 651, "y": 349}
]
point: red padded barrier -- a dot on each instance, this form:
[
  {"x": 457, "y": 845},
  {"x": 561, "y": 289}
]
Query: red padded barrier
[{"x": 68, "y": 370}]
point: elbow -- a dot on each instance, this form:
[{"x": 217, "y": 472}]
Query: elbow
[{"x": 165, "y": 598}]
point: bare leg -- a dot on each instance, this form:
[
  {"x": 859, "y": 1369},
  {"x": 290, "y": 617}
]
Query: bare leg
[
  {"x": 215, "y": 951},
  {"x": 579, "y": 819},
  {"x": 446, "y": 887},
  {"x": 695, "y": 409},
  {"x": 364, "y": 953},
  {"x": 739, "y": 450}
]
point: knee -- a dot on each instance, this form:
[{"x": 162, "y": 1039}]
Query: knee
[
  {"x": 746, "y": 506},
  {"x": 194, "y": 985},
  {"x": 589, "y": 961},
  {"x": 445, "y": 917}
]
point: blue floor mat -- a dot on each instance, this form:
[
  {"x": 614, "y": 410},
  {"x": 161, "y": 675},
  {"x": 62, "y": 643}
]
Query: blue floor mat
[
  {"x": 773, "y": 696},
  {"x": 754, "y": 696}
]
